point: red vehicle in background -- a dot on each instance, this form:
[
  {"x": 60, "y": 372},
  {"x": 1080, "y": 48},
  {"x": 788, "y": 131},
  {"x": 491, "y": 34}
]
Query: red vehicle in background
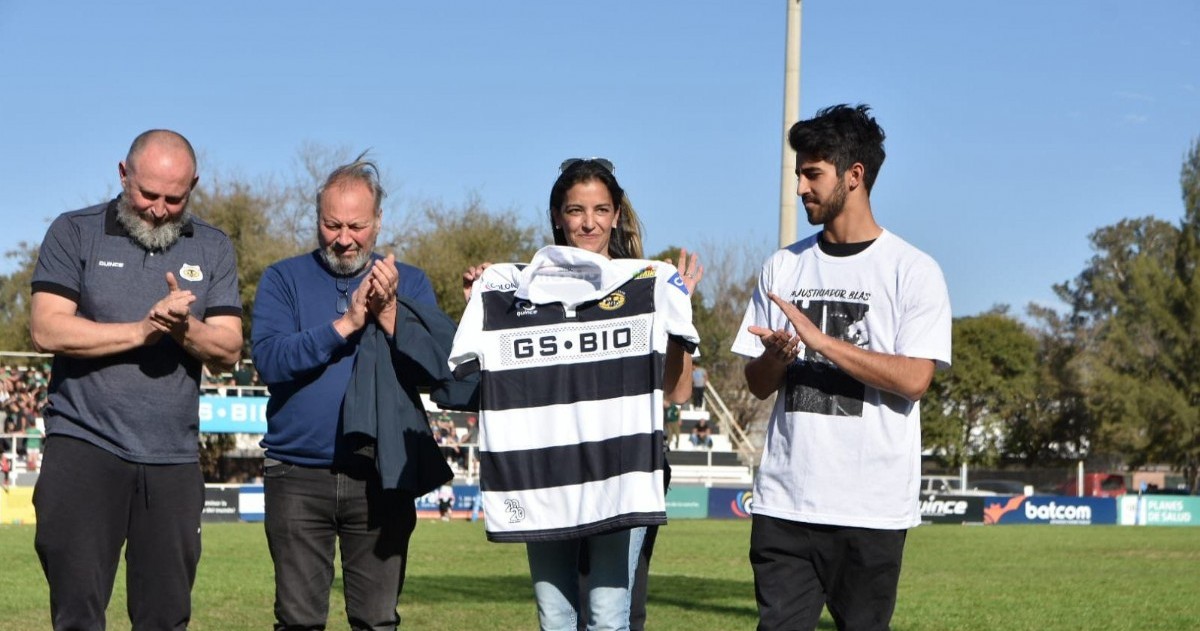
[{"x": 1095, "y": 485}]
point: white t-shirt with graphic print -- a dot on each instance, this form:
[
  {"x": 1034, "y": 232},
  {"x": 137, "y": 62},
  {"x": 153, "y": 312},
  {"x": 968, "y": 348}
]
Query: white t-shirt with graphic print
[{"x": 839, "y": 452}]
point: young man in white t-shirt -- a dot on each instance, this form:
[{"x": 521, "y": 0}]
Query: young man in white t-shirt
[{"x": 847, "y": 326}]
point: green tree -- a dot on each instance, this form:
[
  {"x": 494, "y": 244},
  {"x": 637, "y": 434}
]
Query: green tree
[
  {"x": 1139, "y": 303},
  {"x": 14, "y": 300},
  {"x": 967, "y": 413},
  {"x": 249, "y": 215},
  {"x": 445, "y": 240},
  {"x": 1057, "y": 424}
]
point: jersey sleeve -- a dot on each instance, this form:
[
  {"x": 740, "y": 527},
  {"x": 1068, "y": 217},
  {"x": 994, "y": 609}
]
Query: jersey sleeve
[
  {"x": 466, "y": 353},
  {"x": 59, "y": 268},
  {"x": 678, "y": 306},
  {"x": 222, "y": 296}
]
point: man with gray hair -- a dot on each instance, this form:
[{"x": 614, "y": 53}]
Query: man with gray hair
[
  {"x": 315, "y": 315},
  {"x": 132, "y": 297}
]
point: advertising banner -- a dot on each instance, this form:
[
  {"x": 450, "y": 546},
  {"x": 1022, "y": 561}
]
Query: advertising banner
[
  {"x": 1160, "y": 510},
  {"x": 1049, "y": 509},
  {"x": 233, "y": 415},
  {"x": 687, "y": 502},
  {"x": 251, "y": 506},
  {"x": 952, "y": 509},
  {"x": 16, "y": 505},
  {"x": 221, "y": 503},
  {"x": 729, "y": 503}
]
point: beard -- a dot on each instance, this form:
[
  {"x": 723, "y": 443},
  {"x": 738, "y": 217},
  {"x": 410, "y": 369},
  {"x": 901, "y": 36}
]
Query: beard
[
  {"x": 150, "y": 236},
  {"x": 343, "y": 266},
  {"x": 829, "y": 209}
]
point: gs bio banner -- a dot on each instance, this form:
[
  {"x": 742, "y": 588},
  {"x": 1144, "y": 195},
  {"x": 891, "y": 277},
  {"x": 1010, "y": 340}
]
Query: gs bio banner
[{"x": 233, "y": 415}]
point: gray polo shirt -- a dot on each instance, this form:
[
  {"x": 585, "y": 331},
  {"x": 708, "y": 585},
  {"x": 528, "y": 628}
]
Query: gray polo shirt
[{"x": 143, "y": 404}]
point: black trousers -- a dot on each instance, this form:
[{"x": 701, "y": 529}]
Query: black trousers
[
  {"x": 308, "y": 512},
  {"x": 800, "y": 568},
  {"x": 89, "y": 503}
]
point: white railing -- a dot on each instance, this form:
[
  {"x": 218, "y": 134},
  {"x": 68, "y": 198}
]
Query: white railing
[{"x": 746, "y": 450}]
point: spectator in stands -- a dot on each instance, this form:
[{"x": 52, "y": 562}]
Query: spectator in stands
[
  {"x": 589, "y": 210},
  {"x": 702, "y": 434},
  {"x": 699, "y": 380},
  {"x": 671, "y": 423},
  {"x": 10, "y": 416},
  {"x": 132, "y": 297},
  {"x": 834, "y": 494},
  {"x": 33, "y": 446},
  {"x": 243, "y": 374},
  {"x": 26, "y": 412},
  {"x": 451, "y": 451},
  {"x": 445, "y": 421},
  {"x": 315, "y": 317},
  {"x": 471, "y": 436}
]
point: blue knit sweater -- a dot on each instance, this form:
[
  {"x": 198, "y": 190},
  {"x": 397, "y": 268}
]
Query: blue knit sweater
[{"x": 302, "y": 358}]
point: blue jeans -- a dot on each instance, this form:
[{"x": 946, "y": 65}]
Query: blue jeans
[
  {"x": 554, "y": 568},
  {"x": 309, "y": 511}
]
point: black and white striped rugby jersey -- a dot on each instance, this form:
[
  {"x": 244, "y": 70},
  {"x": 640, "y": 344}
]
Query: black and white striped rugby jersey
[{"x": 571, "y": 348}]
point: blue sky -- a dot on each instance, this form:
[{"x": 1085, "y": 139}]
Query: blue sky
[{"x": 1014, "y": 128}]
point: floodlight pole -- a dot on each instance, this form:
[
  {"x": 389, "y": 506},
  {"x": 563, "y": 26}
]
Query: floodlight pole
[{"x": 791, "y": 114}]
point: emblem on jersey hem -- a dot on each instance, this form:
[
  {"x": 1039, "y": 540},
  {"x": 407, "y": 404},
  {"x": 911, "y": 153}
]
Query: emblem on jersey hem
[
  {"x": 516, "y": 512},
  {"x": 613, "y": 301},
  {"x": 191, "y": 272}
]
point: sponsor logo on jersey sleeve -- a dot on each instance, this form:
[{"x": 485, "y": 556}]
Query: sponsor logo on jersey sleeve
[{"x": 677, "y": 282}]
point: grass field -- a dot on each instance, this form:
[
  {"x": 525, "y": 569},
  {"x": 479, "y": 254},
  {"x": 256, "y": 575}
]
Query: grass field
[{"x": 1008, "y": 577}]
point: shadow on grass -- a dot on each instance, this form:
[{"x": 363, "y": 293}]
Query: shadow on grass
[
  {"x": 713, "y": 596},
  {"x": 719, "y": 597}
]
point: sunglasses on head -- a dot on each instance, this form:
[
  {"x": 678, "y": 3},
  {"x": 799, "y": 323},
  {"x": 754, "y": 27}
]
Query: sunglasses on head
[{"x": 604, "y": 162}]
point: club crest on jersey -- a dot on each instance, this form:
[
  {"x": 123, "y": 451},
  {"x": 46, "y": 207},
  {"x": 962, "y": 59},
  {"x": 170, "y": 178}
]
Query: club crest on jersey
[
  {"x": 677, "y": 281},
  {"x": 613, "y": 301},
  {"x": 525, "y": 308},
  {"x": 191, "y": 272}
]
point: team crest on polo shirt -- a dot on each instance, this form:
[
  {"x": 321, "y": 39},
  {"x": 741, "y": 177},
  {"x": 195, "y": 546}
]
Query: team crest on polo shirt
[{"x": 191, "y": 272}]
